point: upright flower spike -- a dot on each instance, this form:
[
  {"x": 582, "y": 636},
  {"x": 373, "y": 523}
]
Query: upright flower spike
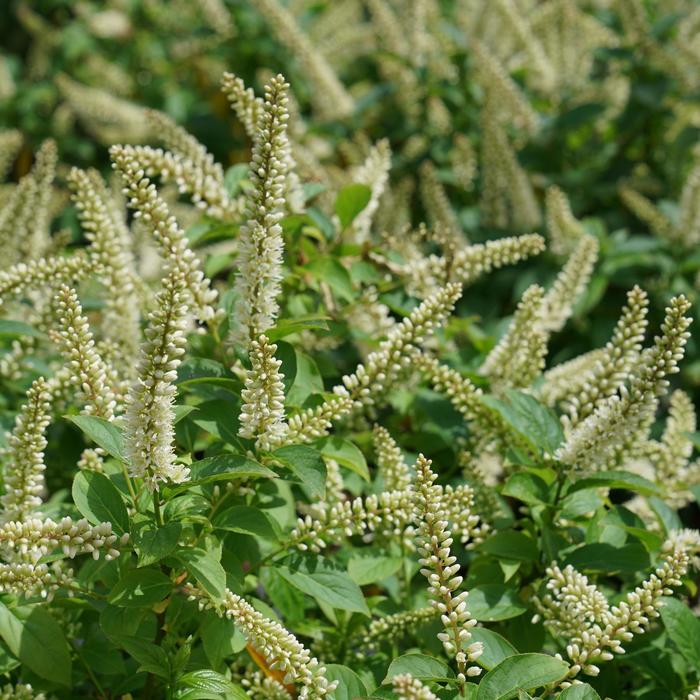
[
  {"x": 108, "y": 118},
  {"x": 148, "y": 419},
  {"x": 586, "y": 387},
  {"x": 246, "y": 104},
  {"x": 390, "y": 461},
  {"x": 563, "y": 229},
  {"x": 508, "y": 198},
  {"x": 24, "y": 224},
  {"x": 261, "y": 242},
  {"x": 77, "y": 344},
  {"x": 10, "y": 143},
  {"x": 688, "y": 227},
  {"x": 513, "y": 106},
  {"x": 24, "y": 466},
  {"x": 624, "y": 418},
  {"x": 374, "y": 173},
  {"x": 153, "y": 211},
  {"x": 110, "y": 244},
  {"x": 435, "y": 200},
  {"x": 518, "y": 357},
  {"x": 647, "y": 212},
  {"x": 440, "y": 567},
  {"x": 570, "y": 283},
  {"x": 670, "y": 455},
  {"x": 262, "y": 414},
  {"x": 280, "y": 648},
  {"x": 328, "y": 95},
  {"x": 406, "y": 687}
]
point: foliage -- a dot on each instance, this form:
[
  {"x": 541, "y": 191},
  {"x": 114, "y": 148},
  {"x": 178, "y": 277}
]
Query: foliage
[{"x": 297, "y": 402}]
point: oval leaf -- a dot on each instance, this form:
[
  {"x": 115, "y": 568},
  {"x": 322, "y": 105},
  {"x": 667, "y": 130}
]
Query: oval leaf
[{"x": 524, "y": 671}]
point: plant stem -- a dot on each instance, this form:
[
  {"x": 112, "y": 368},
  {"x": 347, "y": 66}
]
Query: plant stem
[{"x": 156, "y": 509}]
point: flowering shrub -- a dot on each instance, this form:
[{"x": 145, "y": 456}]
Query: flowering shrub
[{"x": 329, "y": 419}]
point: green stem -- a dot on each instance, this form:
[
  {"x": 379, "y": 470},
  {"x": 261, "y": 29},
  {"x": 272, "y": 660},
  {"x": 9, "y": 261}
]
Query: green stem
[
  {"x": 101, "y": 692},
  {"x": 129, "y": 485},
  {"x": 156, "y": 509}
]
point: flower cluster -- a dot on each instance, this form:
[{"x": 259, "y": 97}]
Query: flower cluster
[
  {"x": 440, "y": 567},
  {"x": 595, "y": 631},
  {"x": 280, "y": 648},
  {"x": 148, "y": 419}
]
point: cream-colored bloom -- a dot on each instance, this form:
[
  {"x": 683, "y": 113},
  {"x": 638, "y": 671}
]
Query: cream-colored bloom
[
  {"x": 518, "y": 357},
  {"x": 570, "y": 283},
  {"x": 111, "y": 246},
  {"x": 24, "y": 466},
  {"x": 392, "y": 466},
  {"x": 261, "y": 244},
  {"x": 440, "y": 567},
  {"x": 407, "y": 687},
  {"x": 148, "y": 419},
  {"x": 618, "y": 421},
  {"x": 583, "y": 387},
  {"x": 563, "y": 229},
  {"x": 436, "y": 203},
  {"x": 280, "y": 648},
  {"x": 77, "y": 344},
  {"x": 327, "y": 94},
  {"x": 262, "y": 413},
  {"x": 371, "y": 379},
  {"x": 374, "y": 173},
  {"x": 152, "y": 210}
]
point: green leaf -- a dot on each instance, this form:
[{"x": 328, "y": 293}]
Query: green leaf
[
  {"x": 207, "y": 681},
  {"x": 683, "y": 628},
  {"x": 496, "y": 648},
  {"x": 181, "y": 411},
  {"x": 350, "y": 685},
  {"x": 140, "y": 588},
  {"x": 234, "y": 178},
  {"x": 329, "y": 270},
  {"x": 102, "y": 433},
  {"x": 526, "y": 487},
  {"x": 530, "y": 420},
  {"x": 425, "y": 668},
  {"x": 99, "y": 500},
  {"x": 307, "y": 379},
  {"x": 17, "y": 329},
  {"x": 221, "y": 639},
  {"x": 579, "y": 692},
  {"x": 206, "y": 568},
  {"x": 327, "y": 585},
  {"x": 307, "y": 465},
  {"x": 511, "y": 544},
  {"x": 618, "y": 480},
  {"x": 247, "y": 520},
  {"x": 226, "y": 467},
  {"x": 346, "y": 454},
  {"x": 601, "y": 556},
  {"x": 154, "y": 544},
  {"x": 526, "y": 671},
  {"x": 351, "y": 200},
  {"x": 37, "y": 640},
  {"x": 491, "y": 602},
  {"x": 288, "y": 326},
  {"x": 368, "y": 568},
  {"x": 151, "y": 658}
]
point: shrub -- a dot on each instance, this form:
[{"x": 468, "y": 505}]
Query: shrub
[{"x": 330, "y": 418}]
